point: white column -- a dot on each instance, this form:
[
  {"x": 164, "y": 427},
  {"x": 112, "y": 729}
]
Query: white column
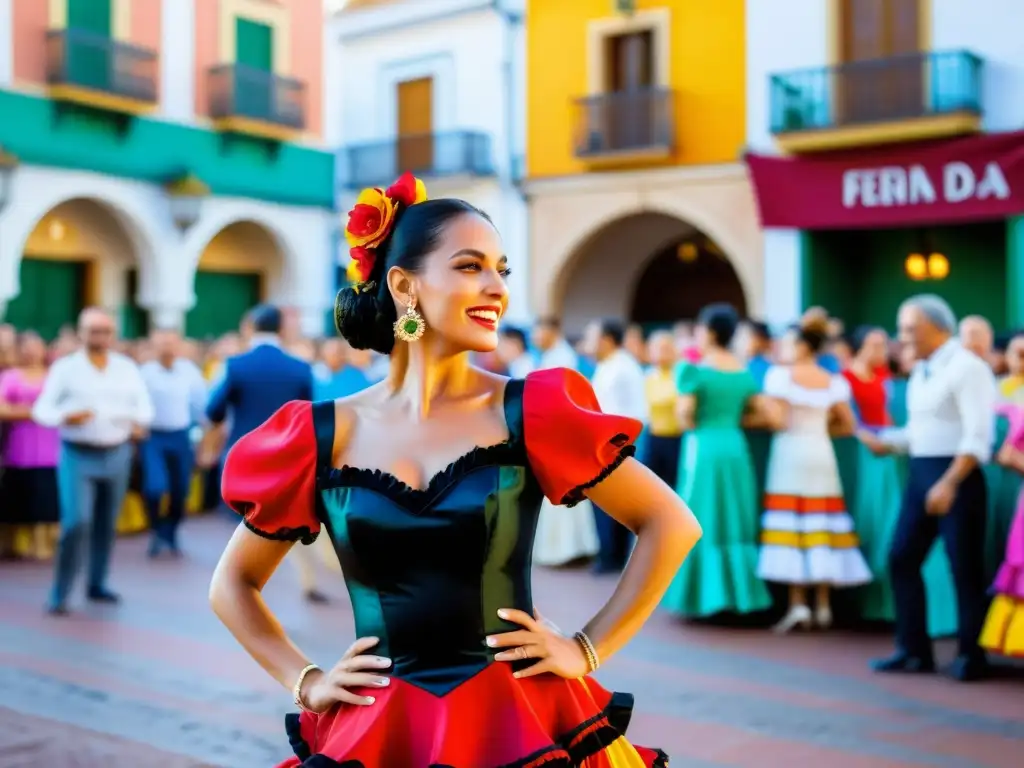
[
  {"x": 312, "y": 321},
  {"x": 167, "y": 318},
  {"x": 6, "y": 42},
  {"x": 177, "y": 53},
  {"x": 782, "y": 276}
]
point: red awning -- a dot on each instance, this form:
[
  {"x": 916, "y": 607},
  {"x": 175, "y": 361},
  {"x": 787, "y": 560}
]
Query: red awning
[{"x": 976, "y": 178}]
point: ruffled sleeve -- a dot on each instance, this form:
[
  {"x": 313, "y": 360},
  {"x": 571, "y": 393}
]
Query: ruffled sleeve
[
  {"x": 570, "y": 444},
  {"x": 269, "y": 476}
]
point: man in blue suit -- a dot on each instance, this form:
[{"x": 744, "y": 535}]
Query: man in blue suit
[
  {"x": 256, "y": 383},
  {"x": 252, "y": 387}
]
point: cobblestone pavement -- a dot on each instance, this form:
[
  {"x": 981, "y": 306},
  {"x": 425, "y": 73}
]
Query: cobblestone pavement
[{"x": 158, "y": 682}]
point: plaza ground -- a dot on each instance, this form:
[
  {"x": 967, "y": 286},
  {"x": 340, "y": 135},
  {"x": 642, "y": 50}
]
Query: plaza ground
[{"x": 158, "y": 682}]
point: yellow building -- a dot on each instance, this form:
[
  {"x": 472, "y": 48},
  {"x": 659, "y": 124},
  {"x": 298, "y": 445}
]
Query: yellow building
[{"x": 639, "y": 205}]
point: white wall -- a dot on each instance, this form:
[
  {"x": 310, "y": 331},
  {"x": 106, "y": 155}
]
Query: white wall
[
  {"x": 472, "y": 54},
  {"x": 781, "y": 35},
  {"x": 793, "y": 34},
  {"x": 991, "y": 29},
  {"x": 6, "y": 42},
  {"x": 464, "y": 52},
  {"x": 177, "y": 65}
]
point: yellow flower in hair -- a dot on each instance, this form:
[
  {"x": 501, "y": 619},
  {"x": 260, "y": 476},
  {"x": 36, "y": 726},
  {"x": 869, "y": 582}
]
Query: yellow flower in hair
[{"x": 370, "y": 220}]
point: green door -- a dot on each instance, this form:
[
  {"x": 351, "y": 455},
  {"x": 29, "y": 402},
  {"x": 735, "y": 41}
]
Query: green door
[
  {"x": 134, "y": 319},
  {"x": 254, "y": 55},
  {"x": 51, "y": 296},
  {"x": 88, "y": 55},
  {"x": 222, "y": 299}
]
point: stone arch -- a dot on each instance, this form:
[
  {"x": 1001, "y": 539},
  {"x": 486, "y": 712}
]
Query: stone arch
[
  {"x": 241, "y": 256},
  {"x": 127, "y": 211},
  {"x": 570, "y": 217},
  {"x": 608, "y": 271},
  {"x": 84, "y": 249}
]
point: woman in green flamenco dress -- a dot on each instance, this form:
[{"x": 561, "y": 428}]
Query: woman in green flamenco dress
[
  {"x": 875, "y": 500},
  {"x": 716, "y": 476}
]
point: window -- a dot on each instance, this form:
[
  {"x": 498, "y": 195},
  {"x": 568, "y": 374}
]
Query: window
[
  {"x": 631, "y": 51},
  {"x": 629, "y": 61},
  {"x": 873, "y": 30},
  {"x": 415, "y": 120}
]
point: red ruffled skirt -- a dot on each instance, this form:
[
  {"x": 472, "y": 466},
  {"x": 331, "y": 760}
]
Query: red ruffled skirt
[{"x": 493, "y": 720}]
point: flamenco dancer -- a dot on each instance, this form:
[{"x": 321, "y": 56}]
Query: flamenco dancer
[{"x": 434, "y": 527}]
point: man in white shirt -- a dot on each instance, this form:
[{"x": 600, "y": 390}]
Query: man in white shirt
[
  {"x": 620, "y": 389},
  {"x": 949, "y": 433},
  {"x": 178, "y": 391},
  {"x": 98, "y": 400}
]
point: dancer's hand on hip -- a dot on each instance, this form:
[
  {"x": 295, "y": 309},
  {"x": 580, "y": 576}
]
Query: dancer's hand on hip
[
  {"x": 553, "y": 651},
  {"x": 355, "y": 670}
]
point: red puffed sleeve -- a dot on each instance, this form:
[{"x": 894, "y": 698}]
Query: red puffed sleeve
[
  {"x": 269, "y": 476},
  {"x": 570, "y": 444}
]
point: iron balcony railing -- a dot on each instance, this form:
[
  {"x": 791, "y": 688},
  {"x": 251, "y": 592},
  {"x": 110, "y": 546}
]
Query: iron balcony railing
[
  {"x": 236, "y": 90},
  {"x": 95, "y": 62},
  {"x": 624, "y": 122},
  {"x": 876, "y": 90},
  {"x": 453, "y": 153}
]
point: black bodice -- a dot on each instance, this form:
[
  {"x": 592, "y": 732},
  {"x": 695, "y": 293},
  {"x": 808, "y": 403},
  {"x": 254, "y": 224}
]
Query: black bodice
[{"x": 427, "y": 570}]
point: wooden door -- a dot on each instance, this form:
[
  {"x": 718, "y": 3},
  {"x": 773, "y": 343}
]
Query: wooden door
[
  {"x": 415, "y": 114},
  {"x": 88, "y": 56},
  {"x": 882, "y": 71},
  {"x": 252, "y": 89},
  {"x": 629, "y": 104}
]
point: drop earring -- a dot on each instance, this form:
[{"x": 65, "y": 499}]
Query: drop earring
[{"x": 410, "y": 326}]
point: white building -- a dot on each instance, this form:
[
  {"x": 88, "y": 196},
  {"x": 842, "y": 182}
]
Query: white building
[
  {"x": 170, "y": 174},
  {"x": 434, "y": 87},
  {"x": 886, "y": 85}
]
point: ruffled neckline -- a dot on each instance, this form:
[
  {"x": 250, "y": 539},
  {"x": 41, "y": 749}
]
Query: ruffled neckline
[{"x": 508, "y": 453}]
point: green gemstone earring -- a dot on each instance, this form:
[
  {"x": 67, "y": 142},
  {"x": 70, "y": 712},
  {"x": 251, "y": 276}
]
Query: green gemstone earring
[{"x": 410, "y": 326}]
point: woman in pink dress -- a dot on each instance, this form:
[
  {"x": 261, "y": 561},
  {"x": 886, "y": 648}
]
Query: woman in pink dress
[
  {"x": 1003, "y": 632},
  {"x": 28, "y": 490}
]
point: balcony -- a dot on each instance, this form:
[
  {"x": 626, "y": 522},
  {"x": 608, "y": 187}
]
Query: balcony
[
  {"x": 882, "y": 101},
  {"x": 95, "y": 71},
  {"x": 248, "y": 101},
  {"x": 458, "y": 154},
  {"x": 625, "y": 126}
]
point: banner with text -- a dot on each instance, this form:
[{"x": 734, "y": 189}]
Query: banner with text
[{"x": 977, "y": 178}]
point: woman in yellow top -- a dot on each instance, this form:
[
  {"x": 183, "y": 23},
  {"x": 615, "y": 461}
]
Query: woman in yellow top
[{"x": 663, "y": 436}]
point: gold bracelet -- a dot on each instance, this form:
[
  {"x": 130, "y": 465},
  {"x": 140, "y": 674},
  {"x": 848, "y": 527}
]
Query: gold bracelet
[
  {"x": 588, "y": 650},
  {"x": 297, "y": 690}
]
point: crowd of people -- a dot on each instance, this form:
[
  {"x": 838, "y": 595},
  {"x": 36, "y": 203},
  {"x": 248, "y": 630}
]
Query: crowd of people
[{"x": 741, "y": 421}]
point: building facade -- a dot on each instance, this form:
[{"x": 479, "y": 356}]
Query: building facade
[
  {"x": 163, "y": 159},
  {"x": 639, "y": 205},
  {"x": 434, "y": 87},
  {"x": 884, "y": 141}
]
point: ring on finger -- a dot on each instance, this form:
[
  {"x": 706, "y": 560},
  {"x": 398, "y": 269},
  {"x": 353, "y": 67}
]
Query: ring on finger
[{"x": 523, "y": 652}]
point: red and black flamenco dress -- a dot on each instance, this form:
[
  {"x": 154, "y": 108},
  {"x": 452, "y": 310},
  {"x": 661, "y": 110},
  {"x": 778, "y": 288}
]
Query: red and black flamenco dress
[{"x": 428, "y": 569}]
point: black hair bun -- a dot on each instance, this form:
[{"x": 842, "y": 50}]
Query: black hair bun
[{"x": 364, "y": 320}]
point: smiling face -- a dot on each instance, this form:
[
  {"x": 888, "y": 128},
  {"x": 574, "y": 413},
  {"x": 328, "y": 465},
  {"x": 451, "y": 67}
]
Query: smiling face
[{"x": 460, "y": 287}]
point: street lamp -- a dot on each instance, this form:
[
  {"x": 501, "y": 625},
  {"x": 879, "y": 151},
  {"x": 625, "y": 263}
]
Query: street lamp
[
  {"x": 8, "y": 163},
  {"x": 185, "y": 198}
]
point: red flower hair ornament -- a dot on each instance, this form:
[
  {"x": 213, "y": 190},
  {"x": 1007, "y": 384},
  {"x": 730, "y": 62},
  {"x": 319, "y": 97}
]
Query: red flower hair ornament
[{"x": 371, "y": 220}]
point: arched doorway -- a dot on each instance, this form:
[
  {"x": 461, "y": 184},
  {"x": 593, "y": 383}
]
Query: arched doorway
[
  {"x": 648, "y": 268},
  {"x": 80, "y": 253},
  {"x": 237, "y": 270}
]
